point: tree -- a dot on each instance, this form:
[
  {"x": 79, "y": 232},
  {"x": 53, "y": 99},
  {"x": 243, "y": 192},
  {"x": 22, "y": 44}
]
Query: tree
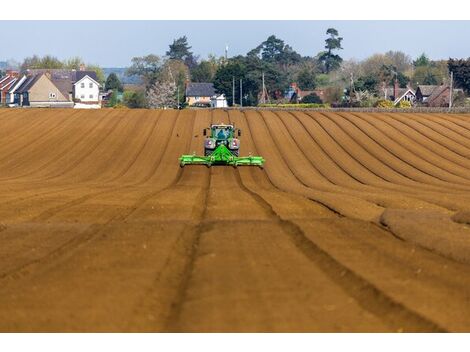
[
  {"x": 161, "y": 95},
  {"x": 46, "y": 62},
  {"x": 306, "y": 79},
  {"x": 148, "y": 68},
  {"x": 73, "y": 63},
  {"x": 274, "y": 50},
  {"x": 327, "y": 58},
  {"x": 179, "y": 50},
  {"x": 113, "y": 83},
  {"x": 204, "y": 72},
  {"x": 134, "y": 100},
  {"x": 422, "y": 60},
  {"x": 224, "y": 78},
  {"x": 98, "y": 70},
  {"x": 427, "y": 75},
  {"x": 368, "y": 83},
  {"x": 461, "y": 70}
]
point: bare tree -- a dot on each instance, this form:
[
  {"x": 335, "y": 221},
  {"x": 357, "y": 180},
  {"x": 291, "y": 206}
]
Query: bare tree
[{"x": 161, "y": 95}]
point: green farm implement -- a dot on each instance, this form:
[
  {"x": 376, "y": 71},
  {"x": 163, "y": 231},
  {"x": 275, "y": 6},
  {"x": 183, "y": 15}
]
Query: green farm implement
[{"x": 221, "y": 147}]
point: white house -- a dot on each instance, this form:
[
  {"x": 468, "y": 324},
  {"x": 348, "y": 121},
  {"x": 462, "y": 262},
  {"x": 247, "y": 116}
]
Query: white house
[
  {"x": 86, "y": 90},
  {"x": 218, "y": 101}
]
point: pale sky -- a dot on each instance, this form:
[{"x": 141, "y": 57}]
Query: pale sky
[{"x": 114, "y": 43}]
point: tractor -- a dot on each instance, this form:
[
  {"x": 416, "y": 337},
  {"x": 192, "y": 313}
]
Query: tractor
[{"x": 221, "y": 147}]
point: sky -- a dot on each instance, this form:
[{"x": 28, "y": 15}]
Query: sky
[{"x": 114, "y": 43}]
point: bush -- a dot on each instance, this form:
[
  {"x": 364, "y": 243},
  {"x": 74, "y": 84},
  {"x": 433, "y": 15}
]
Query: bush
[
  {"x": 384, "y": 104},
  {"x": 134, "y": 100},
  {"x": 311, "y": 99},
  {"x": 404, "y": 104},
  {"x": 294, "y": 106}
]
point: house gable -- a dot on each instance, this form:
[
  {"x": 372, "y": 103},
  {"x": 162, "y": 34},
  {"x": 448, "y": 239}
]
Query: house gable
[{"x": 44, "y": 90}]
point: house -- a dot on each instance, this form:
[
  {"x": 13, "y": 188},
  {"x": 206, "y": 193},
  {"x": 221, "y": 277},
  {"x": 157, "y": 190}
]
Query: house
[
  {"x": 12, "y": 99},
  {"x": 397, "y": 94},
  {"x": 435, "y": 96},
  {"x": 199, "y": 93},
  {"x": 218, "y": 101},
  {"x": 81, "y": 87},
  {"x": 6, "y": 83},
  {"x": 40, "y": 91}
]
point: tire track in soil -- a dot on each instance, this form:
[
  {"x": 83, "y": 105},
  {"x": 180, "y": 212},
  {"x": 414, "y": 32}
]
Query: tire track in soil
[
  {"x": 367, "y": 295},
  {"x": 85, "y": 237}
]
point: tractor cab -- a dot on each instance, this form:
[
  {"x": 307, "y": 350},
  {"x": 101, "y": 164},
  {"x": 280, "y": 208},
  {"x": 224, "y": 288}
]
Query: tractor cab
[{"x": 221, "y": 134}]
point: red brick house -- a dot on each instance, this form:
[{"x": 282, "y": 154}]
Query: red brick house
[
  {"x": 6, "y": 83},
  {"x": 435, "y": 96}
]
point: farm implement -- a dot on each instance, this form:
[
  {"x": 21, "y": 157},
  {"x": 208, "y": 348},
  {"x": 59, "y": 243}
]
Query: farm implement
[{"x": 221, "y": 147}]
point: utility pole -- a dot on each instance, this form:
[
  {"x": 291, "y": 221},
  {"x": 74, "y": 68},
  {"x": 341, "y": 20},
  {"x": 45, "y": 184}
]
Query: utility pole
[
  {"x": 233, "y": 90},
  {"x": 351, "y": 87},
  {"x": 263, "y": 97},
  {"x": 451, "y": 89},
  {"x": 241, "y": 93}
]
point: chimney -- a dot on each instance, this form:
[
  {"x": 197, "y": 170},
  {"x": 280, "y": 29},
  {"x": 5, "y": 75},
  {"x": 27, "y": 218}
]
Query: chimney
[
  {"x": 82, "y": 67},
  {"x": 395, "y": 89}
]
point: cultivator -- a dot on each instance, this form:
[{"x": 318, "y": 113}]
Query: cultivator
[{"x": 221, "y": 148}]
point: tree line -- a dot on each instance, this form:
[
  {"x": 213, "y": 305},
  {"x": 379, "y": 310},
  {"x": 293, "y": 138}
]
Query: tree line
[{"x": 342, "y": 81}]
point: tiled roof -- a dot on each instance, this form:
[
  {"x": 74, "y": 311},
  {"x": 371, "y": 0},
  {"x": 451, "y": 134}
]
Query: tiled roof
[
  {"x": 427, "y": 90},
  {"x": 200, "y": 90}
]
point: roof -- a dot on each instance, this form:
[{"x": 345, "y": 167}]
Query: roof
[
  {"x": 28, "y": 83},
  {"x": 63, "y": 74},
  {"x": 6, "y": 81},
  {"x": 200, "y": 90},
  {"x": 17, "y": 84},
  {"x": 63, "y": 85},
  {"x": 427, "y": 90},
  {"x": 90, "y": 77}
]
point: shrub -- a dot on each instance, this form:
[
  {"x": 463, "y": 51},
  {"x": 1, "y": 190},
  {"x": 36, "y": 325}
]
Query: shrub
[
  {"x": 404, "y": 104},
  {"x": 311, "y": 99},
  {"x": 294, "y": 106},
  {"x": 384, "y": 103}
]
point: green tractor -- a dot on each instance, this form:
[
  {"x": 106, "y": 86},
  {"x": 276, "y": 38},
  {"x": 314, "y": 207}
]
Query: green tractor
[{"x": 221, "y": 147}]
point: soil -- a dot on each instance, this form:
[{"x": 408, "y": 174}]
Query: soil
[{"x": 359, "y": 222}]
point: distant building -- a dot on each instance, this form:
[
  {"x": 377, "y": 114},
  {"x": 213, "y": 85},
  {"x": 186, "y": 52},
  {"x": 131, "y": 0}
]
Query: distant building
[
  {"x": 199, "y": 93},
  {"x": 397, "y": 94},
  {"x": 40, "y": 91},
  {"x": 435, "y": 96},
  {"x": 219, "y": 101},
  {"x": 6, "y": 82}
]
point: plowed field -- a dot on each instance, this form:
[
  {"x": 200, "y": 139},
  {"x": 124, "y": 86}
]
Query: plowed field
[{"x": 358, "y": 222}]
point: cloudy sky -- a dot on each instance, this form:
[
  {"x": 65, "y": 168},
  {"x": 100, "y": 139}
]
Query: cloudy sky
[{"x": 114, "y": 43}]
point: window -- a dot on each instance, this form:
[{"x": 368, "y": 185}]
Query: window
[
  {"x": 52, "y": 95},
  {"x": 197, "y": 98},
  {"x": 82, "y": 96},
  {"x": 82, "y": 85},
  {"x": 91, "y": 96},
  {"x": 90, "y": 85}
]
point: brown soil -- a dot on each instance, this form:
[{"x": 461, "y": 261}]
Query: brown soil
[{"x": 358, "y": 222}]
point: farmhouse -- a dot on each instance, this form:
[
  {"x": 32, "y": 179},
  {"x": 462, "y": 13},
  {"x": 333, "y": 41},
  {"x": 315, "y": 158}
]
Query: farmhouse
[
  {"x": 199, "y": 93},
  {"x": 436, "y": 96},
  {"x": 397, "y": 94}
]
